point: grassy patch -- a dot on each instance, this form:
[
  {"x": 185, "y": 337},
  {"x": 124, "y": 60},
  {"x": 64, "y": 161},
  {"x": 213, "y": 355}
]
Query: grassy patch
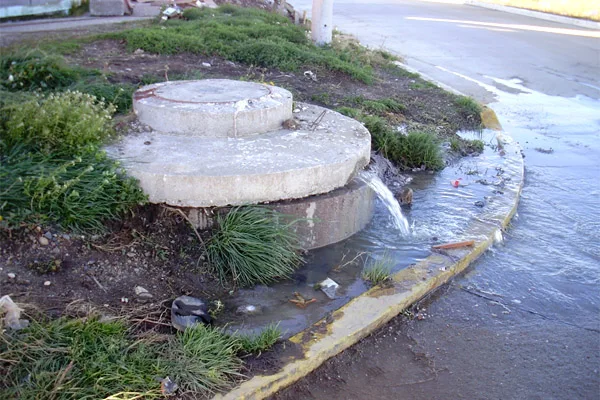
[
  {"x": 262, "y": 341},
  {"x": 466, "y": 146},
  {"x": 253, "y": 245},
  {"x": 572, "y": 8},
  {"x": 248, "y": 36},
  {"x": 119, "y": 95},
  {"x": 76, "y": 359},
  {"x": 36, "y": 70},
  {"x": 52, "y": 169},
  {"x": 65, "y": 123},
  {"x": 423, "y": 85},
  {"x": 203, "y": 359},
  {"x": 378, "y": 271},
  {"x": 420, "y": 148},
  {"x": 467, "y": 106},
  {"x": 90, "y": 359},
  {"x": 410, "y": 151}
]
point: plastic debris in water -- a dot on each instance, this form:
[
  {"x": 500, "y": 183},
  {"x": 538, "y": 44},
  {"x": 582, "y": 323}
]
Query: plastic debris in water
[{"x": 329, "y": 287}]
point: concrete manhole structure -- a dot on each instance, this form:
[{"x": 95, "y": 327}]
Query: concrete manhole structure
[{"x": 217, "y": 143}]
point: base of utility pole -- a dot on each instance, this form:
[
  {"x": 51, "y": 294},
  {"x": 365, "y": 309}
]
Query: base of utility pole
[{"x": 322, "y": 21}]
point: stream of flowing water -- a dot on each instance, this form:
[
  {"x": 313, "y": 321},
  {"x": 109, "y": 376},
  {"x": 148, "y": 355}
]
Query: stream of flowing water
[{"x": 388, "y": 199}]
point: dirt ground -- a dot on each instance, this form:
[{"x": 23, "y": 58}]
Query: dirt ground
[{"x": 154, "y": 248}]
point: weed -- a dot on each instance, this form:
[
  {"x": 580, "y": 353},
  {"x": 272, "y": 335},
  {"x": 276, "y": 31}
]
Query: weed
[
  {"x": 253, "y": 245},
  {"x": 149, "y": 79},
  {"x": 423, "y": 85},
  {"x": 413, "y": 150},
  {"x": 36, "y": 70},
  {"x": 378, "y": 107},
  {"x": 349, "y": 112},
  {"x": 119, "y": 95},
  {"x": 323, "y": 98},
  {"x": 90, "y": 359},
  {"x": 455, "y": 144},
  {"x": 421, "y": 148},
  {"x": 77, "y": 192},
  {"x": 45, "y": 266},
  {"x": 466, "y": 146},
  {"x": 378, "y": 271},
  {"x": 262, "y": 341},
  {"x": 75, "y": 359},
  {"x": 64, "y": 123},
  {"x": 204, "y": 359},
  {"x": 467, "y": 106}
]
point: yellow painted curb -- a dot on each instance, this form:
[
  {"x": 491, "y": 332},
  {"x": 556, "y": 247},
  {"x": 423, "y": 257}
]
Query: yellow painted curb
[
  {"x": 366, "y": 313},
  {"x": 489, "y": 119}
]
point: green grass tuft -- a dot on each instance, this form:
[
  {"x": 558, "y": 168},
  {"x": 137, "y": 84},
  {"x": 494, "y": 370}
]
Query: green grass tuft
[
  {"x": 90, "y": 359},
  {"x": 468, "y": 106},
  {"x": 52, "y": 169},
  {"x": 36, "y": 70},
  {"x": 253, "y": 245},
  {"x": 379, "y": 271},
  {"x": 119, "y": 95},
  {"x": 64, "y": 123},
  {"x": 262, "y": 341},
  {"x": 421, "y": 148},
  {"x": 466, "y": 146},
  {"x": 76, "y": 359},
  {"x": 204, "y": 359},
  {"x": 78, "y": 193}
]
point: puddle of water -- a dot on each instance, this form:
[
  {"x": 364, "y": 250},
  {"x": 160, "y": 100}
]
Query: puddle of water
[{"x": 440, "y": 212}]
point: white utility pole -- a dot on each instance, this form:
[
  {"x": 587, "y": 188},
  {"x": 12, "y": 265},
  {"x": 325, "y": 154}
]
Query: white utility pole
[{"x": 322, "y": 21}]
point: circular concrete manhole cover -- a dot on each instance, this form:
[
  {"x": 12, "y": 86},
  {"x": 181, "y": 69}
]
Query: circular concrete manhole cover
[
  {"x": 213, "y": 107},
  {"x": 212, "y": 91}
]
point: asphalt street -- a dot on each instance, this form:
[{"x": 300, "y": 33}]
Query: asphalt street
[{"x": 524, "y": 322}]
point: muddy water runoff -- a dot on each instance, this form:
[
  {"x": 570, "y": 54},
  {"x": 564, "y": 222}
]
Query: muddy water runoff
[{"x": 440, "y": 212}]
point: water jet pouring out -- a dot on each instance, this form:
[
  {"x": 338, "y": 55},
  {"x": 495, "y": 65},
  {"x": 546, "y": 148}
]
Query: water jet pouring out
[{"x": 388, "y": 199}]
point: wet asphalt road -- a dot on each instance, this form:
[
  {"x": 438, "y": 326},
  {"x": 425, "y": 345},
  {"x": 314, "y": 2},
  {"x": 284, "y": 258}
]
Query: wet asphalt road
[{"x": 524, "y": 322}]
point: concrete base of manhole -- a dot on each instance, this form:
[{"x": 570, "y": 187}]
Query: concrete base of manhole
[
  {"x": 321, "y": 220},
  {"x": 213, "y": 107},
  {"x": 322, "y": 153}
]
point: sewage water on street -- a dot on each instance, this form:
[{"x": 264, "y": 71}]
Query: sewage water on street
[{"x": 440, "y": 212}]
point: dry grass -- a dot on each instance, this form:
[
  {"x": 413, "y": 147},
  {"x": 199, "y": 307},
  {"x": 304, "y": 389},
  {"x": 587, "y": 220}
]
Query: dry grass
[{"x": 586, "y": 9}]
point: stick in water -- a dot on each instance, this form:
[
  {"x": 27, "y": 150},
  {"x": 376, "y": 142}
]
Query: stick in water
[{"x": 456, "y": 245}]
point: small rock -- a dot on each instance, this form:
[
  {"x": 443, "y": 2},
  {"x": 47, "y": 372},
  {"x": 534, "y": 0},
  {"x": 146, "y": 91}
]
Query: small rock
[
  {"x": 138, "y": 52},
  {"x": 479, "y": 203},
  {"x": 47, "y": 283},
  {"x": 207, "y": 65},
  {"x": 189, "y": 311},
  {"x": 142, "y": 292},
  {"x": 66, "y": 237},
  {"x": 131, "y": 254},
  {"x": 11, "y": 275},
  {"x": 44, "y": 241},
  {"x": 48, "y": 235}
]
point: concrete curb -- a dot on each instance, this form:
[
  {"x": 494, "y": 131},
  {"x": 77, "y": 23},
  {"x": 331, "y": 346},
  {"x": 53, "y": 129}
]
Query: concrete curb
[
  {"x": 366, "y": 313},
  {"x": 538, "y": 14}
]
